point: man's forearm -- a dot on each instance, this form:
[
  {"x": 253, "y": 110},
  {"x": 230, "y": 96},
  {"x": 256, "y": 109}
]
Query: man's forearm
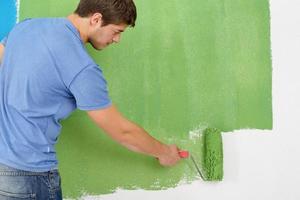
[
  {"x": 134, "y": 137},
  {"x": 137, "y": 139}
]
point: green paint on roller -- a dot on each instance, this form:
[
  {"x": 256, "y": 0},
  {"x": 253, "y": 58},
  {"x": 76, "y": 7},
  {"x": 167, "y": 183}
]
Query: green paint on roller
[
  {"x": 213, "y": 154},
  {"x": 206, "y": 150}
]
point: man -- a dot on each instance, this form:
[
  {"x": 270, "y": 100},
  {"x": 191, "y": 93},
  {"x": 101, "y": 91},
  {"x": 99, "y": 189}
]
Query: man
[{"x": 46, "y": 74}]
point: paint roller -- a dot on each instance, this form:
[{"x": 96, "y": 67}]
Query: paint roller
[{"x": 212, "y": 156}]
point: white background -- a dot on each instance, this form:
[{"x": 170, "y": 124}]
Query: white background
[{"x": 258, "y": 165}]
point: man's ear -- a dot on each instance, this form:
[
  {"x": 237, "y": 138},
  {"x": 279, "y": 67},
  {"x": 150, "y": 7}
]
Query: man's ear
[{"x": 96, "y": 19}]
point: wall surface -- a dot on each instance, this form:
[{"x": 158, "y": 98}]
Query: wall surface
[
  {"x": 259, "y": 165},
  {"x": 8, "y": 16}
]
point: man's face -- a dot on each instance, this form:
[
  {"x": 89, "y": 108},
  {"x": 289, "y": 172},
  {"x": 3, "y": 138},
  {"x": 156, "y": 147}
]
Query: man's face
[{"x": 102, "y": 36}]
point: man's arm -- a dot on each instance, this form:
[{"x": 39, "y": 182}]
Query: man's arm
[
  {"x": 1, "y": 51},
  {"x": 133, "y": 137}
]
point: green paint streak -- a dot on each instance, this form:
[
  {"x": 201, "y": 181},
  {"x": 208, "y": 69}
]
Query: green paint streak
[{"x": 186, "y": 63}]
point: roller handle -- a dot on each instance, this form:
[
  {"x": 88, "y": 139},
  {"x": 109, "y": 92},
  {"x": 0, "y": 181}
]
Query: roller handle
[{"x": 184, "y": 154}]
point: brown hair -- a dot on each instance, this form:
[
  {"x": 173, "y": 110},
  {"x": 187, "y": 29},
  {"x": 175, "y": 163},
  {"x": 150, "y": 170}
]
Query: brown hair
[{"x": 113, "y": 11}]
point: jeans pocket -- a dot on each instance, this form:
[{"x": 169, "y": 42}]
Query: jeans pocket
[{"x": 13, "y": 196}]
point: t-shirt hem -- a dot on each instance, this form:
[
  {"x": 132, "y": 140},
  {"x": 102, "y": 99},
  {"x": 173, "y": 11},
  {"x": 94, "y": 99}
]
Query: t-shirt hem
[
  {"x": 102, "y": 106},
  {"x": 30, "y": 169}
]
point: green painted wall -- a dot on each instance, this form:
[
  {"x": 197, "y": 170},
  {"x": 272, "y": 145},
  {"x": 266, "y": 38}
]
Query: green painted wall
[{"x": 186, "y": 64}]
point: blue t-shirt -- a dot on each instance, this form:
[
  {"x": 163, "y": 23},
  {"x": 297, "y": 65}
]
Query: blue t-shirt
[{"x": 45, "y": 74}]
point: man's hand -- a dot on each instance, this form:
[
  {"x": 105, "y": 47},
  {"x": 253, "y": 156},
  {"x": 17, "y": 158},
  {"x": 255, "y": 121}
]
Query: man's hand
[
  {"x": 170, "y": 157},
  {"x": 1, "y": 52}
]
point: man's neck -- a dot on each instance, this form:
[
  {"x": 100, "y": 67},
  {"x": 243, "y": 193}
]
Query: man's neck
[{"x": 81, "y": 24}]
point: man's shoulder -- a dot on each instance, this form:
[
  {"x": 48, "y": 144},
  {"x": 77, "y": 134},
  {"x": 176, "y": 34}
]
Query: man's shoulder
[
  {"x": 41, "y": 25},
  {"x": 55, "y": 32},
  {"x": 51, "y": 22}
]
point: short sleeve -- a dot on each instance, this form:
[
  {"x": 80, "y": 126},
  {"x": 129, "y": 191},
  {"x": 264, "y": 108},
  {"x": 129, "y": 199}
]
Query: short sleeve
[
  {"x": 3, "y": 41},
  {"x": 89, "y": 89}
]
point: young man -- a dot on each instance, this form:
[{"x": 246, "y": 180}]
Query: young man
[{"x": 46, "y": 74}]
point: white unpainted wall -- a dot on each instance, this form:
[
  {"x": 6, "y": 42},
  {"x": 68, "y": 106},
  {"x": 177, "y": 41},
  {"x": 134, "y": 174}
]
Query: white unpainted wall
[{"x": 258, "y": 165}]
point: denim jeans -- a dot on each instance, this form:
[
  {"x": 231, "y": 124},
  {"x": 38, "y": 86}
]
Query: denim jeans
[{"x": 23, "y": 185}]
